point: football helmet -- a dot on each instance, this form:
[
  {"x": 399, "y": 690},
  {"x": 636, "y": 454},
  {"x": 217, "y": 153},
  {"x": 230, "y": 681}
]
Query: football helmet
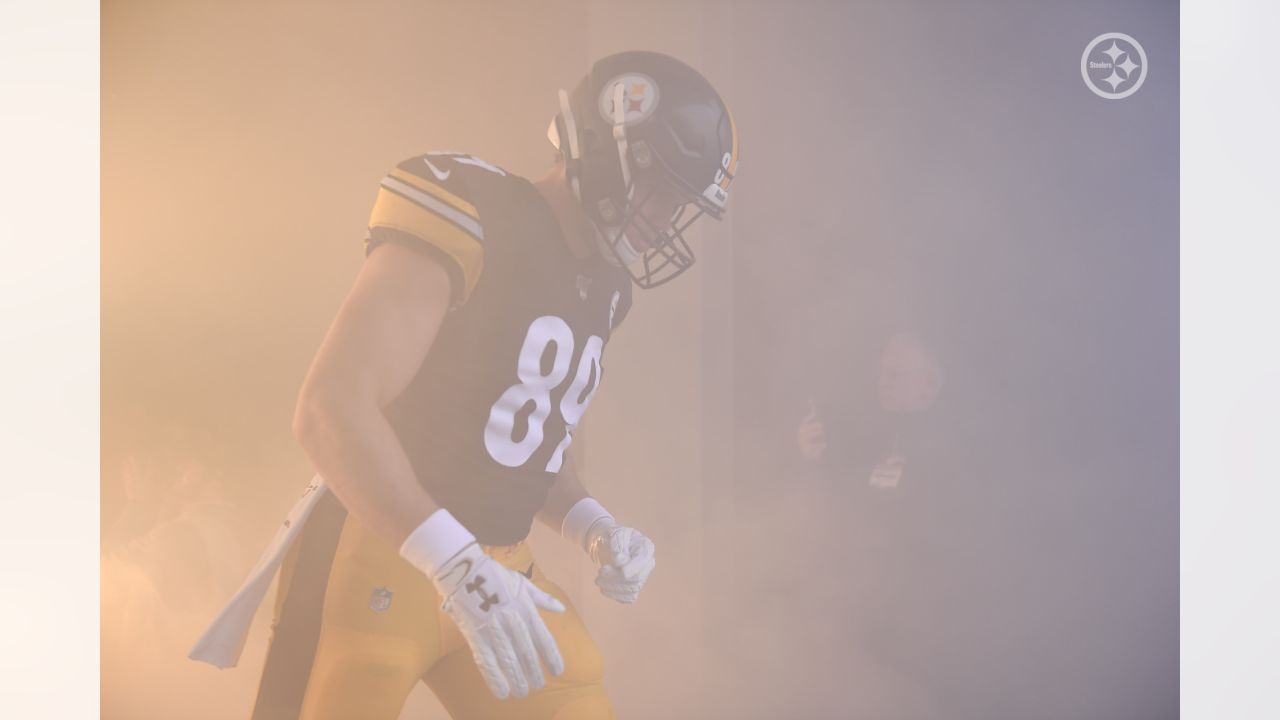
[{"x": 643, "y": 130}]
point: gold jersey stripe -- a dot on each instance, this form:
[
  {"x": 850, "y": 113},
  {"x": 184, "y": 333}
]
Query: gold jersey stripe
[
  {"x": 399, "y": 213},
  {"x": 431, "y": 188}
]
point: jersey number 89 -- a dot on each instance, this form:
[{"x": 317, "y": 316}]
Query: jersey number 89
[{"x": 537, "y": 388}]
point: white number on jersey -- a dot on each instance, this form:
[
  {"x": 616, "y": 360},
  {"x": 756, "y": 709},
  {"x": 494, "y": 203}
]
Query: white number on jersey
[{"x": 537, "y": 388}]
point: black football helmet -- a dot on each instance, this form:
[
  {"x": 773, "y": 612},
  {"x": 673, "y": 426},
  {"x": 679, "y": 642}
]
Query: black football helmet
[{"x": 639, "y": 126}]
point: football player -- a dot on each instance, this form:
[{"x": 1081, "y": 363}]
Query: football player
[{"x": 443, "y": 399}]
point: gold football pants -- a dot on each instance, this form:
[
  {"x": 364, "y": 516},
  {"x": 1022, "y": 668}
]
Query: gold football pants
[{"x": 382, "y": 631}]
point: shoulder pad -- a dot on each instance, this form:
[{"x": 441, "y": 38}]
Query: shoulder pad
[{"x": 426, "y": 198}]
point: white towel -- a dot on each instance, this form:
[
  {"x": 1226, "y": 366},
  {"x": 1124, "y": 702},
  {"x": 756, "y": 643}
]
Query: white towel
[{"x": 222, "y": 643}]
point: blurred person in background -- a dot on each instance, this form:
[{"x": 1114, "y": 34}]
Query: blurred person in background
[
  {"x": 867, "y": 461},
  {"x": 861, "y": 480},
  {"x": 872, "y": 427}
]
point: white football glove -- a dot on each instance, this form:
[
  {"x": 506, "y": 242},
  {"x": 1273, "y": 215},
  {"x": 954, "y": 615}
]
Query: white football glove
[
  {"x": 495, "y": 608},
  {"x": 624, "y": 556}
]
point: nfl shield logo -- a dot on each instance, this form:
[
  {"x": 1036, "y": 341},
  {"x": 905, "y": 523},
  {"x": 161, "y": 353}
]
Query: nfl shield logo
[{"x": 380, "y": 600}]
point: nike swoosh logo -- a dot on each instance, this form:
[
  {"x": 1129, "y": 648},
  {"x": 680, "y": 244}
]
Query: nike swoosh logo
[{"x": 441, "y": 176}]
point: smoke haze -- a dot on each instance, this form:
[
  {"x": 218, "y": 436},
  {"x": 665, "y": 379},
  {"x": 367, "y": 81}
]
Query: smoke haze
[{"x": 930, "y": 171}]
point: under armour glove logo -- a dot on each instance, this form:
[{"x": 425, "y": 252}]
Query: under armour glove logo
[
  {"x": 486, "y": 600},
  {"x": 498, "y": 616}
]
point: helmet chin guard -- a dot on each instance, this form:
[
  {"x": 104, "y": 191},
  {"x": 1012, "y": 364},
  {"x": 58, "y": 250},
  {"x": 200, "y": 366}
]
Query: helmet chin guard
[
  {"x": 615, "y": 247},
  {"x": 672, "y": 137}
]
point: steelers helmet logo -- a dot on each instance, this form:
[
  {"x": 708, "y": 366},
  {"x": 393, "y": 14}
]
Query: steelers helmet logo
[{"x": 639, "y": 97}]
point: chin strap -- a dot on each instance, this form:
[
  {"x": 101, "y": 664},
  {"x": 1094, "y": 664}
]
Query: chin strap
[
  {"x": 620, "y": 135},
  {"x": 608, "y": 236},
  {"x": 563, "y": 134},
  {"x": 615, "y": 250}
]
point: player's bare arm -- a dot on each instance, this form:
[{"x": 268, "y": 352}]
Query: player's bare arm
[{"x": 374, "y": 347}]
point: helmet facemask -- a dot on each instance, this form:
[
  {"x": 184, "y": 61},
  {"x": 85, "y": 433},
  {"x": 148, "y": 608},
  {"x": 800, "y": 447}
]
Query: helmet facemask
[
  {"x": 666, "y": 254},
  {"x": 653, "y": 252}
]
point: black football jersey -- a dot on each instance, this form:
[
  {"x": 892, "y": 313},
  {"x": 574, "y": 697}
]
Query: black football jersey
[{"x": 489, "y": 416}]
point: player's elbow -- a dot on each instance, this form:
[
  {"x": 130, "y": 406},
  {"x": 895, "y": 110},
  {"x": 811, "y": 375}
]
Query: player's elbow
[
  {"x": 320, "y": 414},
  {"x": 308, "y": 418}
]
